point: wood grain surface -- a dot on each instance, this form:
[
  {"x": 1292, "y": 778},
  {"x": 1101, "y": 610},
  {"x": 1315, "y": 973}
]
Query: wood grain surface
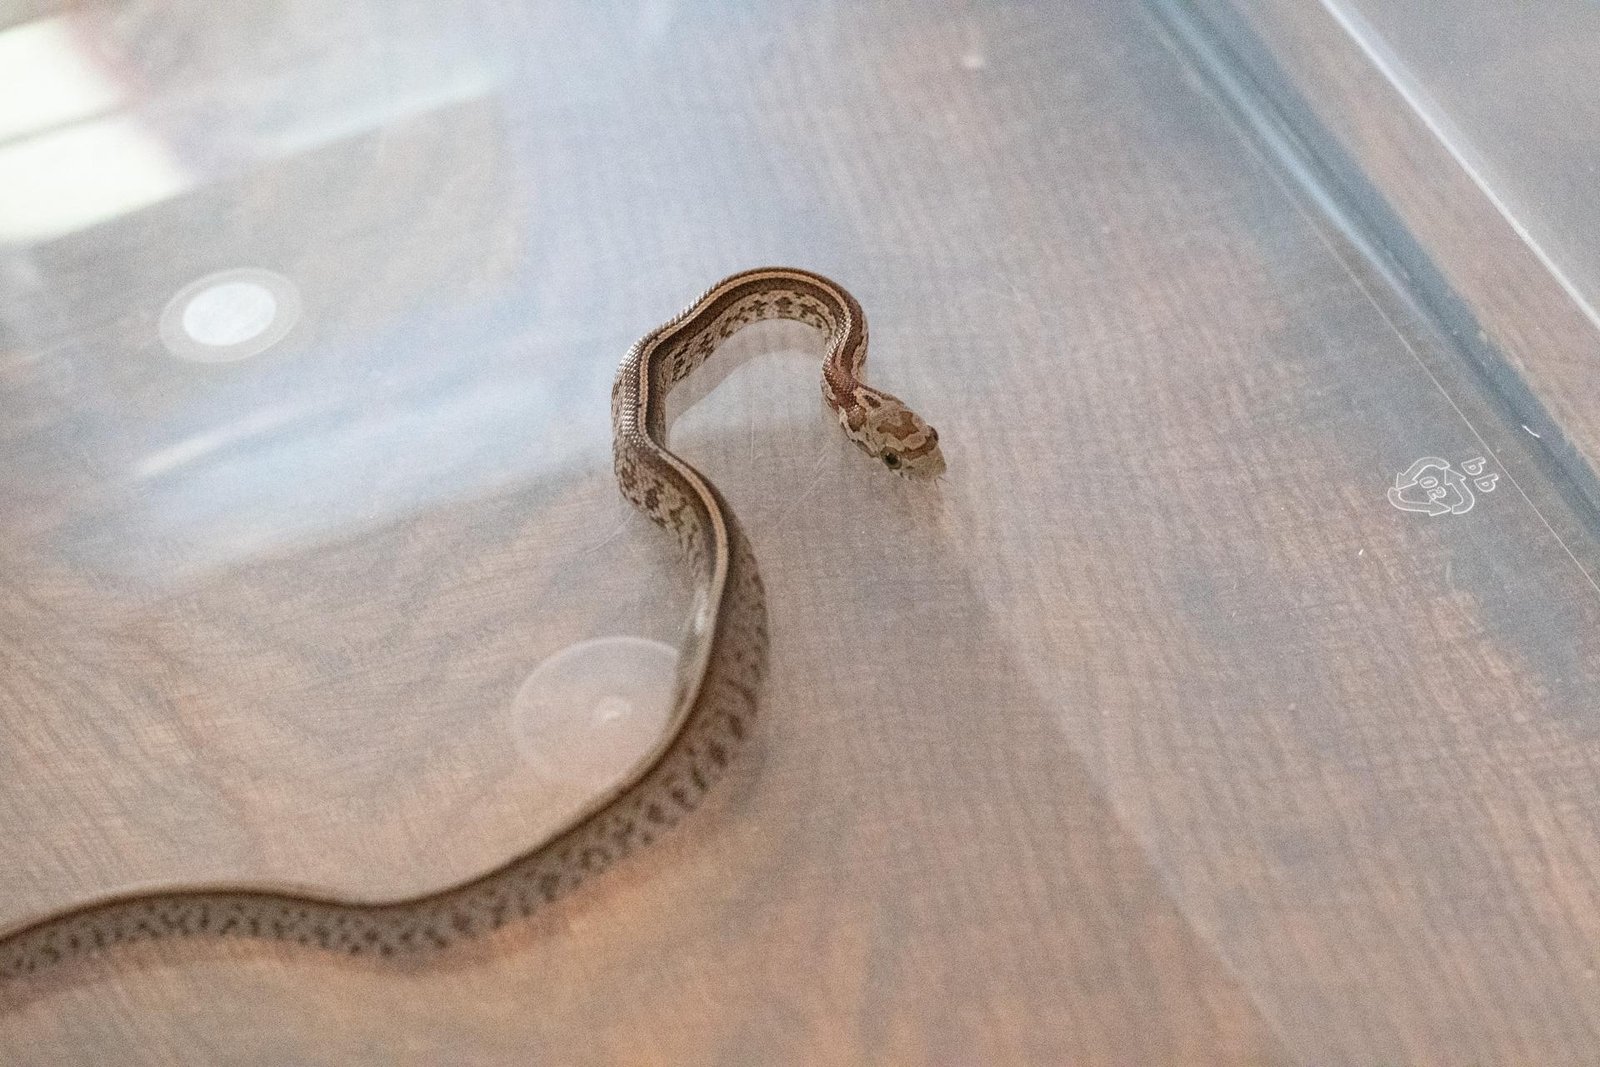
[{"x": 1155, "y": 735}]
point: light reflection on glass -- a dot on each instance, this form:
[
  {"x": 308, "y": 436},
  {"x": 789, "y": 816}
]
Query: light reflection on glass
[
  {"x": 62, "y": 168},
  {"x": 138, "y": 155},
  {"x": 47, "y": 81}
]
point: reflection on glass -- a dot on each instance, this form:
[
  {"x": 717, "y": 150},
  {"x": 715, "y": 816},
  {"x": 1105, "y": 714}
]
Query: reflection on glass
[
  {"x": 149, "y": 156},
  {"x": 65, "y": 162}
]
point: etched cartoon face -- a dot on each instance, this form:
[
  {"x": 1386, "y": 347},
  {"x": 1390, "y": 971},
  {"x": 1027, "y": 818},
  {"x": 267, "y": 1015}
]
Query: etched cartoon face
[{"x": 1431, "y": 485}]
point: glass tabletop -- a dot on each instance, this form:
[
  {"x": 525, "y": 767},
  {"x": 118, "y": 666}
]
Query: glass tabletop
[{"x": 1216, "y": 702}]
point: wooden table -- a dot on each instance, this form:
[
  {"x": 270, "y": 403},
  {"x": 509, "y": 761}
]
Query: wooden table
[{"x": 1171, "y": 729}]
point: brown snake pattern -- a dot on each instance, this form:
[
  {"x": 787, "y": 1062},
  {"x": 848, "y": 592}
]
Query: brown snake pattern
[{"x": 719, "y": 674}]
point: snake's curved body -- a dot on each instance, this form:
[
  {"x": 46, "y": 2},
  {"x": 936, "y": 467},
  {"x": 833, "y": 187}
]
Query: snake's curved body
[{"x": 720, "y": 668}]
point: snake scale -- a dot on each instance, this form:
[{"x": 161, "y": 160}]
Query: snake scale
[{"x": 719, "y": 673}]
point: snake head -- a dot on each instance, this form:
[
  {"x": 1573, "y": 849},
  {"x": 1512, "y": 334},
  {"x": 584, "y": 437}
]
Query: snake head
[{"x": 897, "y": 437}]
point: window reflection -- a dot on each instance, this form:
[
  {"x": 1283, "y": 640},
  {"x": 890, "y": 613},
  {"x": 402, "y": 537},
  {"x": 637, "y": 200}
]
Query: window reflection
[{"x": 357, "y": 152}]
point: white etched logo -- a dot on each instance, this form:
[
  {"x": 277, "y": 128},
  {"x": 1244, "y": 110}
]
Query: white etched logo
[{"x": 1432, "y": 486}]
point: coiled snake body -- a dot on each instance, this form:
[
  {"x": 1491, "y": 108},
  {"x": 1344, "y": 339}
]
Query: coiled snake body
[{"x": 720, "y": 667}]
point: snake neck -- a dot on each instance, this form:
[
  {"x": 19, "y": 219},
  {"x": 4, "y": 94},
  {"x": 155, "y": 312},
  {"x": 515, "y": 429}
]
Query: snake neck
[{"x": 677, "y": 349}]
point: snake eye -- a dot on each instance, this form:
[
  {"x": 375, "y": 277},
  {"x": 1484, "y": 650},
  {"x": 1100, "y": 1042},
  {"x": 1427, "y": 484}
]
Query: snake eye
[{"x": 891, "y": 460}]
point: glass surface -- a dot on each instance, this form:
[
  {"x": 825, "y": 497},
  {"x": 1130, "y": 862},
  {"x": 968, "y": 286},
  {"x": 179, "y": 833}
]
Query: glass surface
[{"x": 1158, "y": 715}]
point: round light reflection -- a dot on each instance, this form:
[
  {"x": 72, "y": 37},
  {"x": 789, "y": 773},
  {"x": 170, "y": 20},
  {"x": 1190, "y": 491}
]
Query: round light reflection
[
  {"x": 589, "y": 713},
  {"x": 230, "y": 315}
]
